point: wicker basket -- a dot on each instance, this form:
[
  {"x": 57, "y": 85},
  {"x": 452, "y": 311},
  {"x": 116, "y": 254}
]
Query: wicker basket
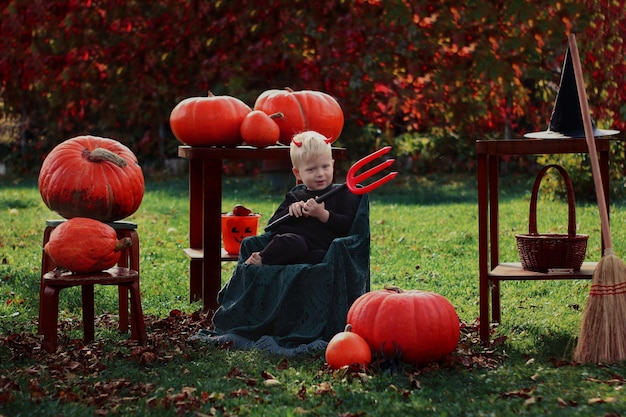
[{"x": 541, "y": 252}]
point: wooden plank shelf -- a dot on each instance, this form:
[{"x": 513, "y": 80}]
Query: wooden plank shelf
[
  {"x": 514, "y": 271},
  {"x": 198, "y": 254}
]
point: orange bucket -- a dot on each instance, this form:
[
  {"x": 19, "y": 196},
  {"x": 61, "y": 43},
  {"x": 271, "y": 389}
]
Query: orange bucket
[{"x": 236, "y": 228}]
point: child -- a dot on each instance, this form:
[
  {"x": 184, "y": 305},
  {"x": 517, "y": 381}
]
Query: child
[{"x": 306, "y": 235}]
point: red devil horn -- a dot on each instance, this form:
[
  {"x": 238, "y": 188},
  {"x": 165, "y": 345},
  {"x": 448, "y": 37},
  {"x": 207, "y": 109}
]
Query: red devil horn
[{"x": 298, "y": 144}]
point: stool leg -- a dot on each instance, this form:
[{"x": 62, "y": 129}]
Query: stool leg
[
  {"x": 88, "y": 313},
  {"x": 123, "y": 308},
  {"x": 129, "y": 259},
  {"x": 138, "y": 329},
  {"x": 47, "y": 264},
  {"x": 123, "y": 292},
  {"x": 134, "y": 251},
  {"x": 48, "y": 317}
]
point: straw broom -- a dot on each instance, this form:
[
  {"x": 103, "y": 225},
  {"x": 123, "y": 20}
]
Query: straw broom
[{"x": 602, "y": 336}]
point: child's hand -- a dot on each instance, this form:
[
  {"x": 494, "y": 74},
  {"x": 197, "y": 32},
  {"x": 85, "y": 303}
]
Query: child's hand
[
  {"x": 296, "y": 209},
  {"x": 314, "y": 209}
]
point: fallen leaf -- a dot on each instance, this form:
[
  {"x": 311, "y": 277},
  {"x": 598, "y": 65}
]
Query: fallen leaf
[
  {"x": 301, "y": 393},
  {"x": 532, "y": 400},
  {"x": 607, "y": 400},
  {"x": 267, "y": 375},
  {"x": 271, "y": 382},
  {"x": 324, "y": 388},
  {"x": 525, "y": 393}
]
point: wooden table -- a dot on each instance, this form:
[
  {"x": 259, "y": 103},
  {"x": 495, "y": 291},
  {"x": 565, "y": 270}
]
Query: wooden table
[
  {"x": 205, "y": 251},
  {"x": 491, "y": 271}
]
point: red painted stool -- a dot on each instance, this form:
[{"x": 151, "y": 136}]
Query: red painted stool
[
  {"x": 129, "y": 259},
  {"x": 54, "y": 281}
]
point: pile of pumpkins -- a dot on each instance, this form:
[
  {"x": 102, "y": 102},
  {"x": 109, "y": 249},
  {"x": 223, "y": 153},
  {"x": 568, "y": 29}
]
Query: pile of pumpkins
[
  {"x": 276, "y": 117},
  {"x": 90, "y": 181},
  {"x": 414, "y": 326}
]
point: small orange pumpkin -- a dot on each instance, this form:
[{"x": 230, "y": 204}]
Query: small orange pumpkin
[
  {"x": 259, "y": 129},
  {"x": 85, "y": 245},
  {"x": 347, "y": 348},
  {"x": 209, "y": 121}
]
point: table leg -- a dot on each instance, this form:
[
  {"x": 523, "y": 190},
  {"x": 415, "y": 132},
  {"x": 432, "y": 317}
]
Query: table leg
[
  {"x": 212, "y": 234},
  {"x": 483, "y": 247},
  {"x": 494, "y": 232},
  {"x": 196, "y": 187}
]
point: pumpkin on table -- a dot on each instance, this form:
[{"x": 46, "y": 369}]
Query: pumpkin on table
[
  {"x": 302, "y": 110},
  {"x": 90, "y": 176},
  {"x": 418, "y": 326},
  {"x": 259, "y": 129},
  {"x": 84, "y": 245},
  {"x": 209, "y": 121}
]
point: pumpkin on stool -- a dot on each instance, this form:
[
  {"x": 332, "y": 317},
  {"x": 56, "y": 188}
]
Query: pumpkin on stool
[
  {"x": 85, "y": 245},
  {"x": 90, "y": 176},
  {"x": 415, "y": 326}
]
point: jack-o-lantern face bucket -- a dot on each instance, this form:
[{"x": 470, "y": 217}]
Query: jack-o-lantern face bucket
[{"x": 236, "y": 228}]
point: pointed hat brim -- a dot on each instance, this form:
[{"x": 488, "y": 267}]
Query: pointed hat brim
[{"x": 566, "y": 120}]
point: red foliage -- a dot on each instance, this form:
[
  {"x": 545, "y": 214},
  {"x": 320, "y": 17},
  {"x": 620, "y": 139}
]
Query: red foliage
[{"x": 461, "y": 69}]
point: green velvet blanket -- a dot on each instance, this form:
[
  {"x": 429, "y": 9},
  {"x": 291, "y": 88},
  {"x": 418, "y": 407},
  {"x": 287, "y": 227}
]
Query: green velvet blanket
[{"x": 293, "y": 309}]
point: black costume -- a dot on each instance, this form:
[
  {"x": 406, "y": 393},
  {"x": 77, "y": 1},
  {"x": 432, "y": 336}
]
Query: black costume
[{"x": 306, "y": 239}]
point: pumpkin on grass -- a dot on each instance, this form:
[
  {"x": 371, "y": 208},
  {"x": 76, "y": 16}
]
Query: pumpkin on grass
[
  {"x": 417, "y": 326},
  {"x": 85, "y": 245},
  {"x": 303, "y": 110},
  {"x": 90, "y": 176},
  {"x": 347, "y": 348},
  {"x": 209, "y": 121}
]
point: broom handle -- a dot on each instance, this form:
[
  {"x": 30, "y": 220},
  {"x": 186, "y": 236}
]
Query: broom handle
[{"x": 591, "y": 144}]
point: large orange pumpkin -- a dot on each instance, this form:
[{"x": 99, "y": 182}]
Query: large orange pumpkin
[
  {"x": 85, "y": 245},
  {"x": 419, "y": 326},
  {"x": 303, "y": 110},
  {"x": 209, "y": 121},
  {"x": 90, "y": 176}
]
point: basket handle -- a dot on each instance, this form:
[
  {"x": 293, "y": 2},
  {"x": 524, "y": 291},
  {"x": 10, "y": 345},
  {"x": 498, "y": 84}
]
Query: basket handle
[{"x": 571, "y": 202}]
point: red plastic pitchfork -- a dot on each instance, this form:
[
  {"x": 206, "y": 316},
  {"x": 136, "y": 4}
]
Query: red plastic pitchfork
[{"x": 353, "y": 179}]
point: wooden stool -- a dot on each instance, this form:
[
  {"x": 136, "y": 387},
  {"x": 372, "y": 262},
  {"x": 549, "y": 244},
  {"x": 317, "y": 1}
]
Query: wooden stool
[
  {"x": 54, "y": 281},
  {"x": 129, "y": 258}
]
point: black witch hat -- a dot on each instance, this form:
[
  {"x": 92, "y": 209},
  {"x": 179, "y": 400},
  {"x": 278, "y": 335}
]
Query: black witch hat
[{"x": 566, "y": 120}]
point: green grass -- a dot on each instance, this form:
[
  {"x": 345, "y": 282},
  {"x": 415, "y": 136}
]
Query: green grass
[{"x": 424, "y": 236}]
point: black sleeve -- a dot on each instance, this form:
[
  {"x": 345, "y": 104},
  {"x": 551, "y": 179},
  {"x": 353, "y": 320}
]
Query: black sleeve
[
  {"x": 283, "y": 208},
  {"x": 342, "y": 210}
]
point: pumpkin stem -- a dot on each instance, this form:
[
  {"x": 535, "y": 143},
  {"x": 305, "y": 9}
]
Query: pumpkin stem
[
  {"x": 277, "y": 115},
  {"x": 394, "y": 288},
  {"x": 101, "y": 154},
  {"x": 348, "y": 328},
  {"x": 123, "y": 244}
]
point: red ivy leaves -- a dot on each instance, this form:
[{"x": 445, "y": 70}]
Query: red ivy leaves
[{"x": 468, "y": 68}]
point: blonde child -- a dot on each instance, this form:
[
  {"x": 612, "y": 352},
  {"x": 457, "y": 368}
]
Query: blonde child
[{"x": 307, "y": 234}]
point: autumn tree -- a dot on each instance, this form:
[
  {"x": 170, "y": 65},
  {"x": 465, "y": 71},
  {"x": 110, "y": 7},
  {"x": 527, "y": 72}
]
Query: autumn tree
[{"x": 426, "y": 76}]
